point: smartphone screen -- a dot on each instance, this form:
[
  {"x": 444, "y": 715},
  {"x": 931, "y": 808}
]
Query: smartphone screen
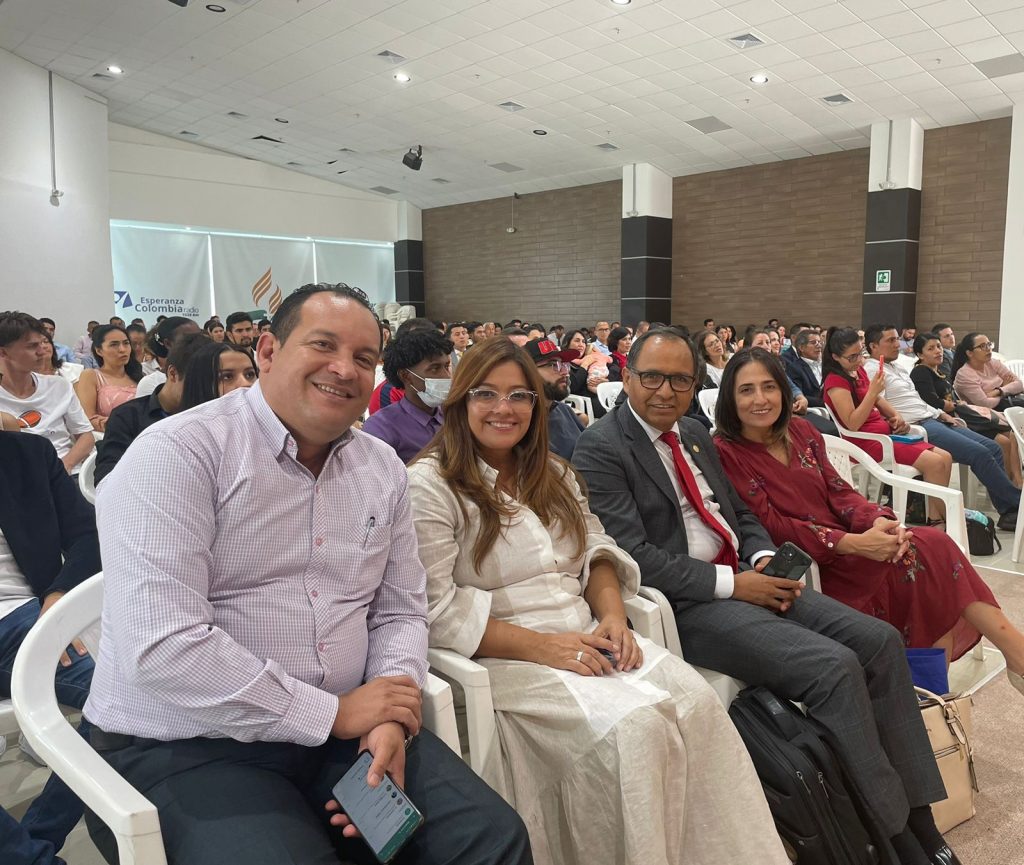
[
  {"x": 789, "y": 561},
  {"x": 383, "y": 815}
]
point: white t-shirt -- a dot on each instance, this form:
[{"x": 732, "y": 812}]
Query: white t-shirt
[
  {"x": 150, "y": 383},
  {"x": 14, "y": 588},
  {"x": 52, "y": 411}
]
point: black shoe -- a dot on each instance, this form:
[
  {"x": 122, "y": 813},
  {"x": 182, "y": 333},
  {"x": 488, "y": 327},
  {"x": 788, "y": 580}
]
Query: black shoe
[
  {"x": 1007, "y": 522},
  {"x": 944, "y": 856}
]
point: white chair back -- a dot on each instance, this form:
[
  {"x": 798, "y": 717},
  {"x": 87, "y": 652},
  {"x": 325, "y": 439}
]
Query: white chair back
[
  {"x": 708, "y": 399},
  {"x": 581, "y": 404},
  {"x": 87, "y": 478},
  {"x": 906, "y": 361},
  {"x": 608, "y": 392},
  {"x": 1016, "y": 367},
  {"x": 1015, "y": 418}
]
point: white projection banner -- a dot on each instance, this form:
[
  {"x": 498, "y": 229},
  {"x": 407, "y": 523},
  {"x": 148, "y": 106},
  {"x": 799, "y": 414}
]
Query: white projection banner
[
  {"x": 251, "y": 273},
  {"x": 159, "y": 272},
  {"x": 371, "y": 268}
]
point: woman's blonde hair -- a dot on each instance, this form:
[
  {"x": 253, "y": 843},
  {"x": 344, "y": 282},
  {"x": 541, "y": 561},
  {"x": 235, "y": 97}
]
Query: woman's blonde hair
[{"x": 542, "y": 479}]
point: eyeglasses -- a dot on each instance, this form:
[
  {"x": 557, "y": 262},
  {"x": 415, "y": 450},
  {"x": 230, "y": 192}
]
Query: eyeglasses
[
  {"x": 850, "y": 358},
  {"x": 680, "y": 383},
  {"x": 559, "y": 365},
  {"x": 519, "y": 400},
  {"x": 988, "y": 346}
]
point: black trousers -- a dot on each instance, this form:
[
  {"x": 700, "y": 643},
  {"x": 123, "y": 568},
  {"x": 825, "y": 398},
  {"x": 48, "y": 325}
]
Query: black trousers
[
  {"x": 849, "y": 670},
  {"x": 222, "y": 801}
]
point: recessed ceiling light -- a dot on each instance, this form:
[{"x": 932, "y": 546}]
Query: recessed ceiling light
[
  {"x": 115, "y": 70},
  {"x": 837, "y": 99},
  {"x": 511, "y": 106},
  {"x": 280, "y": 120},
  {"x": 402, "y": 78},
  {"x": 214, "y": 7},
  {"x": 760, "y": 78},
  {"x": 622, "y": 2},
  {"x": 746, "y": 40},
  {"x": 540, "y": 132}
]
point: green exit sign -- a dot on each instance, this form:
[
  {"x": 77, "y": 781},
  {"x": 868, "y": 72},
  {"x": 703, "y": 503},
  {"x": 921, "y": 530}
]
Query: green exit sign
[{"x": 883, "y": 279}]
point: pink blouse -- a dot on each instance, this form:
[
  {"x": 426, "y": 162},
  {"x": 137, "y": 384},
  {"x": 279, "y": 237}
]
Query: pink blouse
[{"x": 971, "y": 384}]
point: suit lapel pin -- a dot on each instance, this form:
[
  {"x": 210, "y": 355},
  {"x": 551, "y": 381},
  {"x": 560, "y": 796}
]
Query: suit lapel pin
[{"x": 696, "y": 449}]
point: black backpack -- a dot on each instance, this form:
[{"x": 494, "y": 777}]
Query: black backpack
[{"x": 807, "y": 790}]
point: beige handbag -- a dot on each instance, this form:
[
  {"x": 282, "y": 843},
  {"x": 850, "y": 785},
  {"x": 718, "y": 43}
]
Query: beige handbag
[{"x": 948, "y": 721}]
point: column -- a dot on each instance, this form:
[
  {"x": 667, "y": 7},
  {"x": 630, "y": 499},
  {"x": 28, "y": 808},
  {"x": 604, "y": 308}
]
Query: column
[
  {"x": 893, "y": 229},
  {"x": 1011, "y": 310},
  {"x": 409, "y": 286},
  {"x": 646, "y": 279}
]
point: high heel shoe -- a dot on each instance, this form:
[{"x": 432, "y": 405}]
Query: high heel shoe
[
  {"x": 944, "y": 856},
  {"x": 1016, "y": 679}
]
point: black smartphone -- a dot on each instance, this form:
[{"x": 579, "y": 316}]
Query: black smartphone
[
  {"x": 383, "y": 814},
  {"x": 789, "y": 561}
]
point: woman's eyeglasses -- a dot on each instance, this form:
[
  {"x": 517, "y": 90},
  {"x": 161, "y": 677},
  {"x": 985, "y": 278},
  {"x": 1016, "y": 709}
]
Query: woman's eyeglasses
[
  {"x": 520, "y": 400},
  {"x": 986, "y": 346}
]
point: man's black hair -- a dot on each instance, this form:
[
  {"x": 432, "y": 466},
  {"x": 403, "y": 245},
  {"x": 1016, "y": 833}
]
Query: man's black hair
[
  {"x": 410, "y": 348},
  {"x": 237, "y": 318},
  {"x": 873, "y": 334},
  {"x": 14, "y": 325},
  {"x": 288, "y": 314},
  {"x": 415, "y": 324}
]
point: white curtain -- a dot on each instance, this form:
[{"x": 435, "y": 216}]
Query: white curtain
[
  {"x": 251, "y": 273},
  {"x": 160, "y": 273},
  {"x": 371, "y": 268}
]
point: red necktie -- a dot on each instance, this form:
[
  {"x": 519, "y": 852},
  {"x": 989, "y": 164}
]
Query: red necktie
[{"x": 727, "y": 554}]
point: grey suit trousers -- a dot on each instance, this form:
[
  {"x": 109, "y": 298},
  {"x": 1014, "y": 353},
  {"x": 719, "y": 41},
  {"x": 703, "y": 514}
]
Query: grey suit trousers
[{"x": 850, "y": 672}]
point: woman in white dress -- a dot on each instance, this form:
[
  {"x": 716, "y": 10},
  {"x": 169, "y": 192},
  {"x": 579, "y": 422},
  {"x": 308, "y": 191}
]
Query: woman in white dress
[{"x": 624, "y": 758}]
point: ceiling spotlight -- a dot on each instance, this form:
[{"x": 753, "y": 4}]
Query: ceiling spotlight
[
  {"x": 414, "y": 158},
  {"x": 215, "y": 7},
  {"x": 281, "y": 119},
  {"x": 760, "y": 78},
  {"x": 622, "y": 2},
  {"x": 402, "y": 78},
  {"x": 115, "y": 70},
  {"x": 540, "y": 132}
]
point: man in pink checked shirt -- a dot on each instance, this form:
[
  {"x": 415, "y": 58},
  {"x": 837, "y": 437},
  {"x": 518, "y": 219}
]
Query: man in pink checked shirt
[{"x": 234, "y": 694}]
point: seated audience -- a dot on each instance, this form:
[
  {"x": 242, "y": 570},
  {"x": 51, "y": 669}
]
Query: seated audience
[
  {"x": 262, "y": 326},
  {"x": 490, "y": 328},
  {"x": 857, "y": 402},
  {"x": 128, "y": 420},
  {"x": 83, "y": 346},
  {"x": 516, "y": 335},
  {"x": 535, "y": 331},
  {"x": 803, "y": 366},
  {"x": 161, "y": 340},
  {"x": 948, "y": 340},
  {"x": 251, "y": 684},
  {"x": 600, "y": 343},
  {"x": 619, "y": 341},
  {"x": 214, "y": 370},
  {"x": 44, "y": 405},
  {"x": 64, "y": 352},
  {"x": 238, "y": 328},
  {"x": 138, "y": 336},
  {"x": 117, "y": 321},
  {"x": 115, "y": 380},
  {"x": 48, "y": 545},
  {"x": 918, "y": 581},
  {"x": 215, "y": 329},
  {"x": 658, "y": 487},
  {"x": 418, "y": 362},
  {"x": 51, "y": 364},
  {"x": 556, "y": 333},
  {"x": 906, "y": 340},
  {"x": 522, "y": 578},
  {"x": 588, "y": 370},
  {"x": 727, "y": 334},
  {"x": 944, "y": 430},
  {"x": 711, "y": 349},
  {"x": 935, "y": 388},
  {"x": 458, "y": 333},
  {"x": 554, "y": 364},
  {"x": 385, "y": 393},
  {"x": 763, "y": 339},
  {"x": 982, "y": 380}
]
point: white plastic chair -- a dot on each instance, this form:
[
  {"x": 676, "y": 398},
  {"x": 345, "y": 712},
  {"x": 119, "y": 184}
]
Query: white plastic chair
[
  {"x": 1015, "y": 418},
  {"x": 1016, "y": 367},
  {"x": 475, "y": 682},
  {"x": 581, "y": 404},
  {"x": 888, "y": 462},
  {"x": 132, "y": 819},
  {"x": 87, "y": 478},
  {"x": 708, "y": 399},
  {"x": 608, "y": 392}
]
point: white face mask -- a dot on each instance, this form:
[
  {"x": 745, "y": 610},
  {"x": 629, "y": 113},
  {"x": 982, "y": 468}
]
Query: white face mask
[{"x": 435, "y": 390}]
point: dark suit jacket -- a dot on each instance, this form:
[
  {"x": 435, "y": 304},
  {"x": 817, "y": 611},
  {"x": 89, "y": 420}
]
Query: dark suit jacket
[
  {"x": 630, "y": 491},
  {"x": 800, "y": 372},
  {"x": 49, "y": 526}
]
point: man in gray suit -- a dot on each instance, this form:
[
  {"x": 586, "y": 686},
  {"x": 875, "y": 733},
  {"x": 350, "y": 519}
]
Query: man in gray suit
[{"x": 847, "y": 668}]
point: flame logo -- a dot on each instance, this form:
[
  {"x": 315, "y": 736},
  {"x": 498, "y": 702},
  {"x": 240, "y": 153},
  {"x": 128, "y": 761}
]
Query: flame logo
[{"x": 260, "y": 289}]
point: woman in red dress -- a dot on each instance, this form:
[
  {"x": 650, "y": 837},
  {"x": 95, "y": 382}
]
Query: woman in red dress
[
  {"x": 920, "y": 582},
  {"x": 857, "y": 401}
]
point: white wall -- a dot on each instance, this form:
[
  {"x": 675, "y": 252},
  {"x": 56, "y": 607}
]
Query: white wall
[
  {"x": 55, "y": 260},
  {"x": 154, "y": 178},
  {"x": 1011, "y": 313}
]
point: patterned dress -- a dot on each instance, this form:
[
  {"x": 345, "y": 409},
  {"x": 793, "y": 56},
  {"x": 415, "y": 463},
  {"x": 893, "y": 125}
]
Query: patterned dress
[
  {"x": 923, "y": 595},
  {"x": 638, "y": 768}
]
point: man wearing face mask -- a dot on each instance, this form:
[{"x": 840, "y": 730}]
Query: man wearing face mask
[
  {"x": 564, "y": 426},
  {"x": 419, "y": 361}
]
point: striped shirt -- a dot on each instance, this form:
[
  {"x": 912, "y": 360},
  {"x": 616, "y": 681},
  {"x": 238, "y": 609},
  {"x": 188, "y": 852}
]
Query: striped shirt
[{"x": 243, "y": 594}]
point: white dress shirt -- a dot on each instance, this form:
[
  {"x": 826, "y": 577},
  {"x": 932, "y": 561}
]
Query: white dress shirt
[
  {"x": 702, "y": 542},
  {"x": 901, "y": 393},
  {"x": 815, "y": 366}
]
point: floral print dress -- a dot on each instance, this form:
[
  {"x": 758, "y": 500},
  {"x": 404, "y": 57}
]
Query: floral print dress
[{"x": 807, "y": 502}]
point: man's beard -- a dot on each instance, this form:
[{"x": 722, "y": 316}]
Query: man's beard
[{"x": 556, "y": 392}]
